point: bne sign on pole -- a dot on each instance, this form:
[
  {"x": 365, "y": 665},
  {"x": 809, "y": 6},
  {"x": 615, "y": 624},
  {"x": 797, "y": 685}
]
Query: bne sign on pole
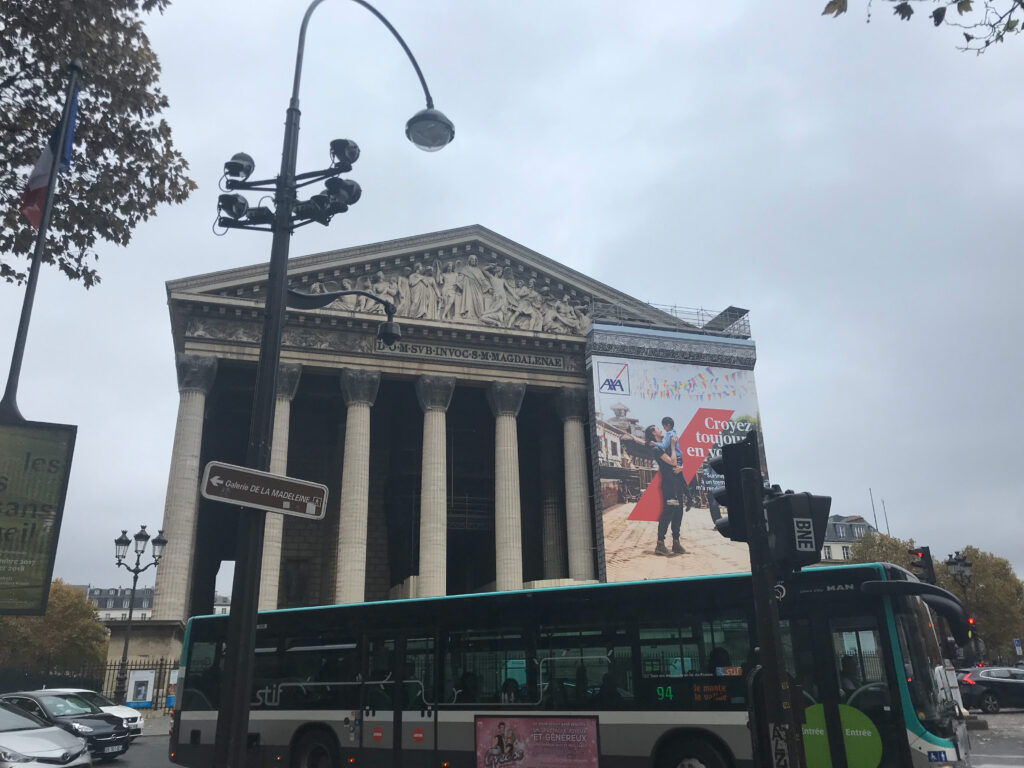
[{"x": 246, "y": 487}]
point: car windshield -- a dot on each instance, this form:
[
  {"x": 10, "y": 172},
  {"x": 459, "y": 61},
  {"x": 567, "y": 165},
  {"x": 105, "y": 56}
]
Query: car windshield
[
  {"x": 94, "y": 698},
  {"x": 14, "y": 719},
  {"x": 60, "y": 705}
]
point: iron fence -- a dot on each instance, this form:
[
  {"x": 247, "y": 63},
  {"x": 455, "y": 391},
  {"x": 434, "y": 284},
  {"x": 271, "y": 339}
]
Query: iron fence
[{"x": 151, "y": 683}]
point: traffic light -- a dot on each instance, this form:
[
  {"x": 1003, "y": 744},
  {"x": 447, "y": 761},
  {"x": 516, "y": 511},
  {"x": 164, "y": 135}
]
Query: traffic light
[
  {"x": 796, "y": 528},
  {"x": 970, "y": 627},
  {"x": 923, "y": 561},
  {"x": 735, "y": 457}
]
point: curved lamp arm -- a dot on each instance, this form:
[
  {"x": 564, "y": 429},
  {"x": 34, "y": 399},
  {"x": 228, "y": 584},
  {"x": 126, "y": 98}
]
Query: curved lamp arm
[
  {"x": 385, "y": 22},
  {"x": 301, "y": 300}
]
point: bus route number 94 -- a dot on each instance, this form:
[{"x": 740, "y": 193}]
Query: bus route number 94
[{"x": 665, "y": 693}]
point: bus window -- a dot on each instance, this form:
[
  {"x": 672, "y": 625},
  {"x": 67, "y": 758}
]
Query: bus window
[
  {"x": 798, "y": 656},
  {"x": 586, "y": 668},
  {"x": 921, "y": 655},
  {"x": 418, "y": 678},
  {"x": 201, "y": 688},
  {"x": 478, "y": 664},
  {"x": 695, "y": 663},
  {"x": 316, "y": 673}
]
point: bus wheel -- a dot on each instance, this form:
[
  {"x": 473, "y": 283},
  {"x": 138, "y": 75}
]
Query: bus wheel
[
  {"x": 691, "y": 753},
  {"x": 315, "y": 750},
  {"x": 990, "y": 704}
]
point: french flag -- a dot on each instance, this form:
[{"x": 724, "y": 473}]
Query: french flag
[{"x": 34, "y": 199}]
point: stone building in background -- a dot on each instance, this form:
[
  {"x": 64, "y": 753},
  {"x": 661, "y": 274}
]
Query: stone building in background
[{"x": 458, "y": 461}]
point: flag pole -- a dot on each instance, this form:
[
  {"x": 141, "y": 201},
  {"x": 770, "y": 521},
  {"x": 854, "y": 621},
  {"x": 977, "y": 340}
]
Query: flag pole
[{"x": 9, "y": 412}]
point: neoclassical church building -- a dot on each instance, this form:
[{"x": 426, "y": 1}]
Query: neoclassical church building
[{"x": 460, "y": 460}]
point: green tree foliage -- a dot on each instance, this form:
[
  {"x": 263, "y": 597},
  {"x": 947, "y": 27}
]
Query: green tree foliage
[
  {"x": 67, "y": 636},
  {"x": 994, "y": 595},
  {"x": 124, "y": 163},
  {"x": 981, "y": 22}
]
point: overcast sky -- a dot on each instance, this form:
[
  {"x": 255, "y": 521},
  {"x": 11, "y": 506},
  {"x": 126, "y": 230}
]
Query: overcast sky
[{"x": 856, "y": 186}]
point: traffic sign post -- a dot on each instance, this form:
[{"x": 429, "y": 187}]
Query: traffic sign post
[
  {"x": 251, "y": 488},
  {"x": 1016, "y": 646}
]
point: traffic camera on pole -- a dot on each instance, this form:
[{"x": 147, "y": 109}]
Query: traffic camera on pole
[
  {"x": 796, "y": 527},
  {"x": 734, "y": 458},
  {"x": 923, "y": 562}
]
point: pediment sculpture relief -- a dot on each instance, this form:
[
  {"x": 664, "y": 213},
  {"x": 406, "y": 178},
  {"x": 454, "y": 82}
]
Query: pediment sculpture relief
[{"x": 464, "y": 292}]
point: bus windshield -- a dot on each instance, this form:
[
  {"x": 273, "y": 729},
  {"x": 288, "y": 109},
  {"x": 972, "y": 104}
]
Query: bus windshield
[{"x": 922, "y": 661}]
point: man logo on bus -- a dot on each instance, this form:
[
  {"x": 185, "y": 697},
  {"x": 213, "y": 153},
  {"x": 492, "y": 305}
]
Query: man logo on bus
[{"x": 614, "y": 378}]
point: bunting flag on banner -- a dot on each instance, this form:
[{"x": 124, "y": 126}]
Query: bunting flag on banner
[{"x": 34, "y": 198}]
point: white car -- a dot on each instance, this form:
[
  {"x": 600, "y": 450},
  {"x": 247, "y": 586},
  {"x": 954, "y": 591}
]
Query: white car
[
  {"x": 28, "y": 742},
  {"x": 133, "y": 719}
]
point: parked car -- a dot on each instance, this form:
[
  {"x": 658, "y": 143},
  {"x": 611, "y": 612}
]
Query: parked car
[
  {"x": 132, "y": 717},
  {"x": 28, "y": 742},
  {"x": 106, "y": 735},
  {"x": 991, "y": 688}
]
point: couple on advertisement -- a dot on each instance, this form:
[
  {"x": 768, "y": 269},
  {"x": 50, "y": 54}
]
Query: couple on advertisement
[{"x": 663, "y": 448}]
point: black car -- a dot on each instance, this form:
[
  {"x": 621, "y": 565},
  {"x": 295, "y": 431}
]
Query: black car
[
  {"x": 107, "y": 735},
  {"x": 990, "y": 688}
]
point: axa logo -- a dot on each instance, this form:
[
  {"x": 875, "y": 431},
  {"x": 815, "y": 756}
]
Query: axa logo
[{"x": 613, "y": 378}]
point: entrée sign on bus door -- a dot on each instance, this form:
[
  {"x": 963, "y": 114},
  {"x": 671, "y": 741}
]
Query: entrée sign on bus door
[{"x": 261, "y": 490}]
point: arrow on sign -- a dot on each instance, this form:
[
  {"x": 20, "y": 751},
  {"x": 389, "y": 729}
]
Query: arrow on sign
[{"x": 216, "y": 482}]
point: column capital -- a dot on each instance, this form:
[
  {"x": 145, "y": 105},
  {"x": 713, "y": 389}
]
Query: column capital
[
  {"x": 435, "y": 392},
  {"x": 505, "y": 397},
  {"x": 359, "y": 385},
  {"x": 195, "y": 372},
  {"x": 571, "y": 404},
  {"x": 288, "y": 375}
]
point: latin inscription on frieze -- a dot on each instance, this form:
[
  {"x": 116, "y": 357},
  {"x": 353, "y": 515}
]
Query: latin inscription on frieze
[{"x": 429, "y": 350}]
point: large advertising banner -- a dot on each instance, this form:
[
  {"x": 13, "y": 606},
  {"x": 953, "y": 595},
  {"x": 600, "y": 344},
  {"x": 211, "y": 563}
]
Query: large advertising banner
[
  {"x": 656, "y": 425},
  {"x": 536, "y": 742},
  {"x": 35, "y": 463}
]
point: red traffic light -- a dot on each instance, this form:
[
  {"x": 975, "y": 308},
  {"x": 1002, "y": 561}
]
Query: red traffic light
[{"x": 970, "y": 620}]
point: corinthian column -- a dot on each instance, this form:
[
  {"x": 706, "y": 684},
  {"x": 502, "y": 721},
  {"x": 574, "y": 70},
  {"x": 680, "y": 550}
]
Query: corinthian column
[
  {"x": 505, "y": 398},
  {"x": 434, "y": 394},
  {"x": 552, "y": 519},
  {"x": 571, "y": 408},
  {"x": 359, "y": 388},
  {"x": 174, "y": 576},
  {"x": 273, "y": 527}
]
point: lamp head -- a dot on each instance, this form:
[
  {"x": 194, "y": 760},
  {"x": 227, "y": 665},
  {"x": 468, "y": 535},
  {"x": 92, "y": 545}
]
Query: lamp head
[
  {"x": 389, "y": 332},
  {"x": 430, "y": 130},
  {"x": 239, "y": 167},
  {"x": 344, "y": 152},
  {"x": 343, "y": 191},
  {"x": 233, "y": 204},
  {"x": 141, "y": 538},
  {"x": 158, "y": 545},
  {"x": 121, "y": 544},
  {"x": 261, "y": 214}
]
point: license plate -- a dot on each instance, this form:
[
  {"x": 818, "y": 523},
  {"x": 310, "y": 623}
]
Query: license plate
[{"x": 109, "y": 750}]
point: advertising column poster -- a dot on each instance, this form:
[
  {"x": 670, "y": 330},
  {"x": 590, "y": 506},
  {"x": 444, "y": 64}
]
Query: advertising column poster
[{"x": 656, "y": 425}]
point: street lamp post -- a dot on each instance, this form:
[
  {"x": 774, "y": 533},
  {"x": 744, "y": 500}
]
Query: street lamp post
[
  {"x": 121, "y": 544},
  {"x": 429, "y": 130},
  {"x": 962, "y": 571}
]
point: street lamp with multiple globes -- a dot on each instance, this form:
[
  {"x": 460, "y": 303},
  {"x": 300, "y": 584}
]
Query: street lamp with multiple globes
[
  {"x": 429, "y": 130},
  {"x": 962, "y": 571},
  {"x": 121, "y": 544}
]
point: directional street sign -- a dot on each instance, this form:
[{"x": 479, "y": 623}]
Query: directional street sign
[{"x": 261, "y": 490}]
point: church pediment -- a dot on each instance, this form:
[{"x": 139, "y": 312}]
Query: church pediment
[{"x": 469, "y": 277}]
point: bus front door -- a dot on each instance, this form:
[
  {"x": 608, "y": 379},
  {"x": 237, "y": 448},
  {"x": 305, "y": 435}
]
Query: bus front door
[{"x": 839, "y": 664}]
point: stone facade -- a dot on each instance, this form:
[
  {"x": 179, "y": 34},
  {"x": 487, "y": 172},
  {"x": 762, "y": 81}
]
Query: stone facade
[{"x": 458, "y": 460}]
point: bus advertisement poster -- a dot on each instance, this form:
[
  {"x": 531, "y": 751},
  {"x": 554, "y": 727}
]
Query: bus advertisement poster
[
  {"x": 658, "y": 518},
  {"x": 536, "y": 742}
]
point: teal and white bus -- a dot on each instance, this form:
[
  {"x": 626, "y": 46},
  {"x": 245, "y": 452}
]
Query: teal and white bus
[{"x": 641, "y": 674}]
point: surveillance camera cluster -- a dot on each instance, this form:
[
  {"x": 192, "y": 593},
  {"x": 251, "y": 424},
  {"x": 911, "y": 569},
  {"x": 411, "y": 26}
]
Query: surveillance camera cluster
[{"x": 234, "y": 211}]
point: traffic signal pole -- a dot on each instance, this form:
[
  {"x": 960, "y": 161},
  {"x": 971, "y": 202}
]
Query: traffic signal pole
[{"x": 785, "y": 738}]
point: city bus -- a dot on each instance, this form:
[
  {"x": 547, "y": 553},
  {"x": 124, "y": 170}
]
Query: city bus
[{"x": 650, "y": 673}]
